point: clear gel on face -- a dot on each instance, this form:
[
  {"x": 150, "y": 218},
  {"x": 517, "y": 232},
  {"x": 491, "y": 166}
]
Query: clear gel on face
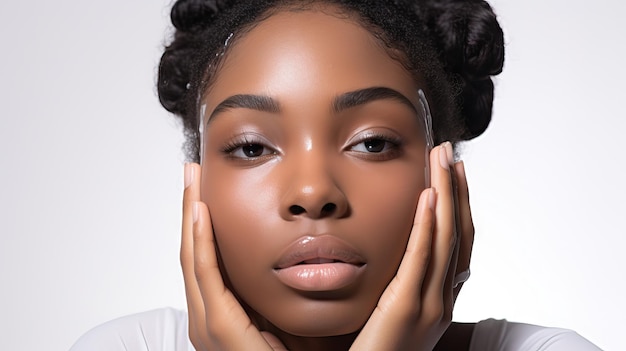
[{"x": 428, "y": 133}]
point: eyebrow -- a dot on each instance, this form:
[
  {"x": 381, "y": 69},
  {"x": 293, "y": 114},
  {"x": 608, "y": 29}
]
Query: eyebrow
[
  {"x": 249, "y": 101},
  {"x": 342, "y": 102},
  {"x": 367, "y": 95}
]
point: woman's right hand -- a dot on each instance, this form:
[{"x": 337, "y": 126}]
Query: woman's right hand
[{"x": 217, "y": 321}]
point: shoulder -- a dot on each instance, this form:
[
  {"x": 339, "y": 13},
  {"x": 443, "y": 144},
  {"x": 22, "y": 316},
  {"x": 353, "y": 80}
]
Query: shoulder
[
  {"x": 501, "y": 335},
  {"x": 156, "y": 330}
]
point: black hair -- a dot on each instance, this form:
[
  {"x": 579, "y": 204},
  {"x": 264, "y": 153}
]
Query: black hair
[{"x": 455, "y": 46}]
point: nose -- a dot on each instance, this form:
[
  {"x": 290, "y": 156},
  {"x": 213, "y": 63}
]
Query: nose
[{"x": 313, "y": 192}]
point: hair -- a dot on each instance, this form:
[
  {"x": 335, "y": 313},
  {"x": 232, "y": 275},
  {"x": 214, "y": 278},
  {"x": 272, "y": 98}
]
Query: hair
[{"x": 454, "y": 47}]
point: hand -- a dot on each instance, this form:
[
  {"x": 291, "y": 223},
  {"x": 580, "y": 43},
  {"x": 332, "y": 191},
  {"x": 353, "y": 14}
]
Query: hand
[
  {"x": 416, "y": 307},
  {"x": 216, "y": 319}
]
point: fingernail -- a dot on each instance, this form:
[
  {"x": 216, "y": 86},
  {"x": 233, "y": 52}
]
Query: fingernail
[
  {"x": 189, "y": 173},
  {"x": 194, "y": 211},
  {"x": 450, "y": 153},
  {"x": 460, "y": 169},
  {"x": 445, "y": 155}
]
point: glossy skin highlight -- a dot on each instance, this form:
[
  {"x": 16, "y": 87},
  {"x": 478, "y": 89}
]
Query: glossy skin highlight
[{"x": 313, "y": 172}]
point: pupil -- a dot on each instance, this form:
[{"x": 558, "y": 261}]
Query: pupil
[
  {"x": 252, "y": 150},
  {"x": 375, "y": 145}
]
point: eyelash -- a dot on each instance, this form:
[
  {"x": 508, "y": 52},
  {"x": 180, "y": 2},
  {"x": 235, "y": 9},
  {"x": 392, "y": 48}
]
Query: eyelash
[
  {"x": 246, "y": 140},
  {"x": 391, "y": 149}
]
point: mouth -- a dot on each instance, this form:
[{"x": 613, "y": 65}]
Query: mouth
[
  {"x": 321, "y": 263},
  {"x": 319, "y": 250},
  {"x": 320, "y": 260}
]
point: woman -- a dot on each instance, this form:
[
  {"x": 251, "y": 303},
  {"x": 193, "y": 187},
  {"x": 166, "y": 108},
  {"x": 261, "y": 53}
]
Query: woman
[{"x": 312, "y": 223}]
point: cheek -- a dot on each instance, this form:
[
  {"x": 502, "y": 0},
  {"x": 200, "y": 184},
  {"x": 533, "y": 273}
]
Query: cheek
[
  {"x": 244, "y": 217},
  {"x": 384, "y": 209}
]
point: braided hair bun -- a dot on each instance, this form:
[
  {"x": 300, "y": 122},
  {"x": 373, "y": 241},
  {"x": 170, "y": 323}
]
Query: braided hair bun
[
  {"x": 471, "y": 44},
  {"x": 191, "y": 19},
  {"x": 190, "y": 15}
]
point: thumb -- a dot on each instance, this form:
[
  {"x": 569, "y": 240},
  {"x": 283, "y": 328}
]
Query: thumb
[{"x": 273, "y": 341}]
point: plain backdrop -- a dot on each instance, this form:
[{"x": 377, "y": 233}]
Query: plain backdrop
[{"x": 91, "y": 171}]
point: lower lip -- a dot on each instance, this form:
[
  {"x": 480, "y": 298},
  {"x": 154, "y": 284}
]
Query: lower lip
[{"x": 319, "y": 277}]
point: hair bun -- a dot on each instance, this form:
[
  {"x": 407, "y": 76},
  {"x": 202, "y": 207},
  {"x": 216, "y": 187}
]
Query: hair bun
[
  {"x": 190, "y": 15},
  {"x": 190, "y": 18},
  {"x": 174, "y": 75},
  {"x": 471, "y": 43},
  {"x": 469, "y": 36}
]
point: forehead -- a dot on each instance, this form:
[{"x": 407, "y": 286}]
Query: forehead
[{"x": 305, "y": 53}]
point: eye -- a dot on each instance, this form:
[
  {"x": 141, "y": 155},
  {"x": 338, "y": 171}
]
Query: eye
[
  {"x": 250, "y": 150},
  {"x": 247, "y": 148},
  {"x": 372, "y": 146}
]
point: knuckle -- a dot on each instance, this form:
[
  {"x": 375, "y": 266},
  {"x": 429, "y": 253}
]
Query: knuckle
[
  {"x": 471, "y": 229},
  {"x": 199, "y": 267},
  {"x": 434, "y": 314},
  {"x": 451, "y": 240},
  {"x": 181, "y": 258},
  {"x": 218, "y": 331},
  {"x": 423, "y": 256},
  {"x": 195, "y": 338},
  {"x": 446, "y": 315}
]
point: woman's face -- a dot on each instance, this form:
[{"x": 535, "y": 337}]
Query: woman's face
[{"x": 313, "y": 163}]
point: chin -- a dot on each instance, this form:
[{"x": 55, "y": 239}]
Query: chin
[
  {"x": 322, "y": 319},
  {"x": 322, "y": 328}
]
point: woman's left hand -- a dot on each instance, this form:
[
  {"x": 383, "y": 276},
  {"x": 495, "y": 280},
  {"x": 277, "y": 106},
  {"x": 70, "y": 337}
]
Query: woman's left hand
[{"x": 416, "y": 307}]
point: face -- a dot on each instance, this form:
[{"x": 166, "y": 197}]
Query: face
[{"x": 313, "y": 162}]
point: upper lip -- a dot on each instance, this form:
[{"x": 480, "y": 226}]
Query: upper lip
[{"x": 319, "y": 247}]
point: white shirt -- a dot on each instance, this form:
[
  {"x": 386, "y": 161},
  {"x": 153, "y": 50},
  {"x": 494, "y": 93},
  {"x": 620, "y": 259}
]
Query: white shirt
[{"x": 166, "y": 330}]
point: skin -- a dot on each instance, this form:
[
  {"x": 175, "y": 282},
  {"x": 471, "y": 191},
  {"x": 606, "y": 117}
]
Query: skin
[{"x": 311, "y": 174}]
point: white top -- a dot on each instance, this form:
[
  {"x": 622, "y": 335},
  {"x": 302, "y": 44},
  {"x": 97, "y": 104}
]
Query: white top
[{"x": 166, "y": 330}]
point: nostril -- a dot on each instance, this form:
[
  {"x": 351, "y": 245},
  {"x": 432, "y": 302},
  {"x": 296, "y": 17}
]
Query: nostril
[
  {"x": 296, "y": 210},
  {"x": 329, "y": 208}
]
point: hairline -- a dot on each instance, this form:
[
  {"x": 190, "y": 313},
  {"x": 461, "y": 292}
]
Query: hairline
[{"x": 214, "y": 66}]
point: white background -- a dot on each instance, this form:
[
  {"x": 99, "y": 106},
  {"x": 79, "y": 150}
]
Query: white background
[{"x": 91, "y": 171}]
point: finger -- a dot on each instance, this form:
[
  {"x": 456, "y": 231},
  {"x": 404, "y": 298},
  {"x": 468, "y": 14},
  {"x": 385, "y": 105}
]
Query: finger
[
  {"x": 206, "y": 266},
  {"x": 401, "y": 299},
  {"x": 195, "y": 306},
  {"x": 273, "y": 341},
  {"x": 444, "y": 237},
  {"x": 209, "y": 281},
  {"x": 448, "y": 289},
  {"x": 227, "y": 323},
  {"x": 466, "y": 223},
  {"x": 190, "y": 196},
  {"x": 416, "y": 257}
]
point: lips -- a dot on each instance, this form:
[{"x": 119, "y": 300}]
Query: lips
[{"x": 320, "y": 263}]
